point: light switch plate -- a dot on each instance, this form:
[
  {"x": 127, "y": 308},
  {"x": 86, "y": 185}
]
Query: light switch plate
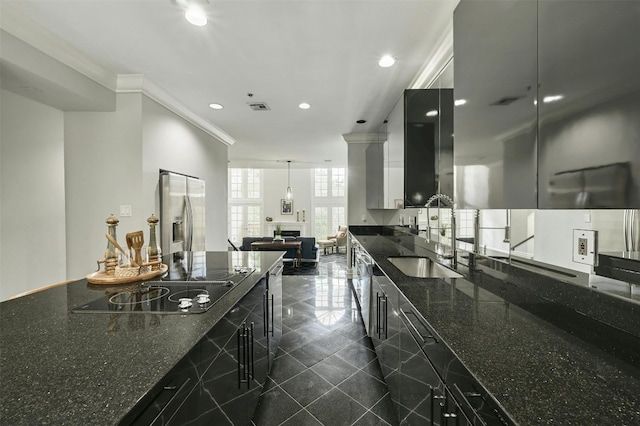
[
  {"x": 584, "y": 246},
  {"x": 125, "y": 211}
]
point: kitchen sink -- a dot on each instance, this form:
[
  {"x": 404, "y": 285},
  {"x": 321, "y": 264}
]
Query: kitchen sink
[{"x": 422, "y": 267}]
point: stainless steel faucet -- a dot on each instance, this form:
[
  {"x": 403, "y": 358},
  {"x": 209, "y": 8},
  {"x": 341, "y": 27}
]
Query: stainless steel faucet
[{"x": 448, "y": 202}]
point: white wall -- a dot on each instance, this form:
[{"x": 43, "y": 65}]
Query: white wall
[
  {"x": 170, "y": 143},
  {"x": 103, "y": 157},
  {"x": 32, "y": 209},
  {"x": 113, "y": 159},
  {"x": 357, "y": 212},
  {"x": 554, "y": 237},
  {"x": 275, "y": 186},
  {"x": 609, "y": 224}
]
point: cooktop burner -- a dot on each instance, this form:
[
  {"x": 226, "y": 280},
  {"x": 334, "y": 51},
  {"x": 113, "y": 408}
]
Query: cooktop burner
[{"x": 168, "y": 297}]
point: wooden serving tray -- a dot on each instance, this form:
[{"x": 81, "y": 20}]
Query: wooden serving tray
[{"x": 101, "y": 277}]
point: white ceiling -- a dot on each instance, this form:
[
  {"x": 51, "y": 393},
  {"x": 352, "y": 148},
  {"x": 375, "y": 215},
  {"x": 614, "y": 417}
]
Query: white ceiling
[{"x": 284, "y": 52}]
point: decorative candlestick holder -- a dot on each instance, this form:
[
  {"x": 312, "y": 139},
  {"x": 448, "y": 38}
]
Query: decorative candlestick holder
[
  {"x": 154, "y": 252},
  {"x": 110, "y": 256}
]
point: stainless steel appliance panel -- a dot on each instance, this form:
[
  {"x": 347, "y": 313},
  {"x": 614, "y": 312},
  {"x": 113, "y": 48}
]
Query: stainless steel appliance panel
[
  {"x": 195, "y": 196},
  {"x": 182, "y": 219},
  {"x": 495, "y": 72},
  {"x": 173, "y": 212},
  {"x": 589, "y": 93}
]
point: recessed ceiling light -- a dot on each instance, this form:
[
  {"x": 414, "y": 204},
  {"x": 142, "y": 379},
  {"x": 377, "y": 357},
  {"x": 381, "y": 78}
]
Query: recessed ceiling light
[
  {"x": 432, "y": 113},
  {"x": 386, "y": 61},
  {"x": 459, "y": 102},
  {"x": 552, "y": 98},
  {"x": 361, "y": 121},
  {"x": 304, "y": 105},
  {"x": 196, "y": 16},
  {"x": 215, "y": 106}
]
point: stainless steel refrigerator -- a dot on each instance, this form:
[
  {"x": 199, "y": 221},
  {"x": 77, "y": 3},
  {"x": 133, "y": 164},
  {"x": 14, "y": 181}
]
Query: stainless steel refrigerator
[{"x": 182, "y": 220}]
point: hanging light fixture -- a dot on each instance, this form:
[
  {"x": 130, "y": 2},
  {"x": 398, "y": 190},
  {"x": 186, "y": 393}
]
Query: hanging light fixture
[{"x": 289, "y": 193}]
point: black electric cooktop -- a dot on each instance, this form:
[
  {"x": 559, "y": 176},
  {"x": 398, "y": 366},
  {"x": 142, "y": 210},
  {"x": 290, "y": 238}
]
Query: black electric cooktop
[{"x": 191, "y": 286}]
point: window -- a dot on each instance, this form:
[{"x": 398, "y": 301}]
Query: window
[
  {"x": 337, "y": 182},
  {"x": 327, "y": 220},
  {"x": 329, "y": 203},
  {"x": 321, "y": 222},
  {"x": 245, "y": 204},
  {"x": 253, "y": 183},
  {"x": 245, "y": 184},
  {"x": 321, "y": 182}
]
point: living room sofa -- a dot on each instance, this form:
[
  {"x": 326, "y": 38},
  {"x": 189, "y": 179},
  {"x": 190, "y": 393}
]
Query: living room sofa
[{"x": 310, "y": 249}]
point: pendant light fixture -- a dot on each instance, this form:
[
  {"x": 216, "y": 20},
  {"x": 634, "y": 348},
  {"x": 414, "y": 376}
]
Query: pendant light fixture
[{"x": 289, "y": 194}]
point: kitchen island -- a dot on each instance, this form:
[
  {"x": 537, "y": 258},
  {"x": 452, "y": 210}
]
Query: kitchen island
[
  {"x": 61, "y": 367},
  {"x": 543, "y": 361}
]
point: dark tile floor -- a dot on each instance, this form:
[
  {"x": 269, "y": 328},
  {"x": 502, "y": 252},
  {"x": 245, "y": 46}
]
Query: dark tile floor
[{"x": 326, "y": 371}]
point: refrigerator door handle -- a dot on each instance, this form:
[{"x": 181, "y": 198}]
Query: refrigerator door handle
[{"x": 188, "y": 244}]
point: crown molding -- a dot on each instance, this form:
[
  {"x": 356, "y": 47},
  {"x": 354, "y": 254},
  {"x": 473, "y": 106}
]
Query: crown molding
[
  {"x": 440, "y": 56},
  {"x": 364, "y": 137},
  {"x": 25, "y": 29},
  {"x": 137, "y": 83},
  {"x": 22, "y": 27}
]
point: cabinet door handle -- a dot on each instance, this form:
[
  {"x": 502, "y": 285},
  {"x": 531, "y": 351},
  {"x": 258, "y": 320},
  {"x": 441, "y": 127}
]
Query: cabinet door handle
[
  {"x": 378, "y": 314},
  {"x": 415, "y": 330},
  {"x": 238, "y": 356},
  {"x": 244, "y": 353},
  {"x": 265, "y": 314},
  {"x": 386, "y": 315},
  {"x": 273, "y": 323},
  {"x": 252, "y": 370},
  {"x": 465, "y": 400},
  {"x": 435, "y": 397},
  {"x": 176, "y": 391}
]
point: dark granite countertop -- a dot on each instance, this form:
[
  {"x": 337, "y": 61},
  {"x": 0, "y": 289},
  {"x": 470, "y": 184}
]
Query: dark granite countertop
[
  {"x": 58, "y": 367},
  {"x": 545, "y": 362},
  {"x": 629, "y": 255}
]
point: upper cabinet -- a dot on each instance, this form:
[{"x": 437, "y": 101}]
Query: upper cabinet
[
  {"x": 385, "y": 173},
  {"x": 552, "y": 104},
  {"x": 428, "y": 144},
  {"x": 589, "y": 104},
  {"x": 495, "y": 116}
]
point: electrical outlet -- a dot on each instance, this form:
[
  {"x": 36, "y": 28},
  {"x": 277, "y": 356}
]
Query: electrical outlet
[
  {"x": 584, "y": 246},
  {"x": 583, "y": 243}
]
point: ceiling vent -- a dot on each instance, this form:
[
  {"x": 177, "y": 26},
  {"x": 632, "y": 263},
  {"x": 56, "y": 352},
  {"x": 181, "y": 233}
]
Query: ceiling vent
[
  {"x": 506, "y": 100},
  {"x": 259, "y": 106}
]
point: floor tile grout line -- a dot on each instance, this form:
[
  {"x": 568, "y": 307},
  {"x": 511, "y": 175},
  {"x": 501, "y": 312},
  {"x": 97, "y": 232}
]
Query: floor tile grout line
[
  {"x": 377, "y": 416},
  {"x": 294, "y": 400},
  {"x": 356, "y": 368},
  {"x": 304, "y": 407},
  {"x": 304, "y": 371}
]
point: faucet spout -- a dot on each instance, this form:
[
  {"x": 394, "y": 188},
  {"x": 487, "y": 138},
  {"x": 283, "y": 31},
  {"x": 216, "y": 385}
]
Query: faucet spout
[
  {"x": 442, "y": 197},
  {"x": 448, "y": 202}
]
